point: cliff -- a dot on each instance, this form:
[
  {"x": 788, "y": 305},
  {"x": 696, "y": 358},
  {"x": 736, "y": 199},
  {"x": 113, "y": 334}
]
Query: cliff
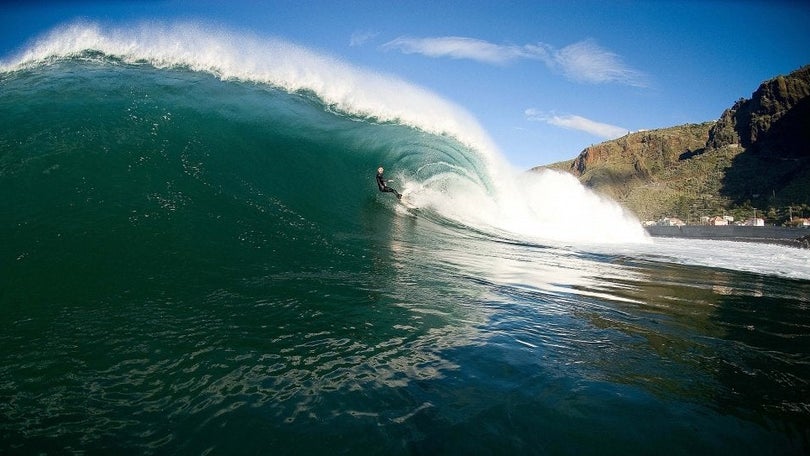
[
  {"x": 773, "y": 121},
  {"x": 755, "y": 156}
]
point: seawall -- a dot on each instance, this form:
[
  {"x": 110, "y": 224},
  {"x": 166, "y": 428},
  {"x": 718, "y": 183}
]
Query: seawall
[{"x": 796, "y": 237}]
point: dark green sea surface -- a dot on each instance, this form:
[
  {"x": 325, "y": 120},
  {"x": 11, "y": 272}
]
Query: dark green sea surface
[{"x": 190, "y": 265}]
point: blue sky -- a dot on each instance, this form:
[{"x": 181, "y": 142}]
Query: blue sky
[{"x": 544, "y": 78}]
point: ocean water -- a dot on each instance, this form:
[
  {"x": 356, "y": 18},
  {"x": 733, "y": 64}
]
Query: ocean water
[{"x": 194, "y": 258}]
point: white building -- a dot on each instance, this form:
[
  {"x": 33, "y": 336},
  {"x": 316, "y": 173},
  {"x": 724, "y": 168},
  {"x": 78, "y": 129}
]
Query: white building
[{"x": 671, "y": 221}]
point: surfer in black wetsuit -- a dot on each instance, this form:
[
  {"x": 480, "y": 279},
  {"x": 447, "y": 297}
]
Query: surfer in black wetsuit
[{"x": 381, "y": 184}]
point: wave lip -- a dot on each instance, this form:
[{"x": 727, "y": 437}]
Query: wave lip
[{"x": 246, "y": 57}]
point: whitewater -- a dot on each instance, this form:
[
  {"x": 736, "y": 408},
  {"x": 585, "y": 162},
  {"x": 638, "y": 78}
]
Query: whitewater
[{"x": 195, "y": 258}]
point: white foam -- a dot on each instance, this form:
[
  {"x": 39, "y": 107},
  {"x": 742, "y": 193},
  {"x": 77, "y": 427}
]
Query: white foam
[
  {"x": 760, "y": 258},
  {"x": 537, "y": 207}
]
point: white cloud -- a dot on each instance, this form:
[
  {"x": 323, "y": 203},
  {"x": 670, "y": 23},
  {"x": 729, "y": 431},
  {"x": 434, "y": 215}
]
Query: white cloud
[
  {"x": 584, "y": 61},
  {"x": 457, "y": 47},
  {"x": 579, "y": 123},
  {"x": 360, "y": 37}
]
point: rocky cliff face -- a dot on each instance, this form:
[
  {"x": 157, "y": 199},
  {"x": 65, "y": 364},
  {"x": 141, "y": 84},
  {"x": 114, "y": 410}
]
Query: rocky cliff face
[
  {"x": 771, "y": 120},
  {"x": 646, "y": 151}
]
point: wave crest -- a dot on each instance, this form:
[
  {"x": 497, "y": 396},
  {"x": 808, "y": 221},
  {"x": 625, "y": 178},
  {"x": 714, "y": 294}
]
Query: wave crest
[{"x": 247, "y": 57}]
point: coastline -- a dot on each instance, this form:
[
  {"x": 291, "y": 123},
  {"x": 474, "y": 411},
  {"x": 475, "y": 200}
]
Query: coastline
[{"x": 794, "y": 237}]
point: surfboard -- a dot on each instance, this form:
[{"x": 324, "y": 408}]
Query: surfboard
[{"x": 407, "y": 203}]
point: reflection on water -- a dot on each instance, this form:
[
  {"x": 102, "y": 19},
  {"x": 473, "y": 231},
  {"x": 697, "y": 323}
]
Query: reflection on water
[
  {"x": 424, "y": 339},
  {"x": 712, "y": 341}
]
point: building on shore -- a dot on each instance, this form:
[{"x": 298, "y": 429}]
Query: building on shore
[
  {"x": 670, "y": 221},
  {"x": 717, "y": 220}
]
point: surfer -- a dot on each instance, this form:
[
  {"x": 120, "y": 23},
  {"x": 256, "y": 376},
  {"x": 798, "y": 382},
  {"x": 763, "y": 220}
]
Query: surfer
[{"x": 381, "y": 184}]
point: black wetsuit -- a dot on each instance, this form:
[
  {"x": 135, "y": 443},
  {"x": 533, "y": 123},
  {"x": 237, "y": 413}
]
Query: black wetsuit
[{"x": 384, "y": 188}]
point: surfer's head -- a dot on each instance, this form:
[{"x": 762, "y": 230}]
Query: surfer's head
[{"x": 380, "y": 170}]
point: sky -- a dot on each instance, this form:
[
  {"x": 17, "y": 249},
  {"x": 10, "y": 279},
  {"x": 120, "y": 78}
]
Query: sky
[{"x": 545, "y": 79}]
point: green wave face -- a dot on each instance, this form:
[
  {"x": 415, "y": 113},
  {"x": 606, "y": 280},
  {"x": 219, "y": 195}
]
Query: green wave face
[{"x": 116, "y": 166}]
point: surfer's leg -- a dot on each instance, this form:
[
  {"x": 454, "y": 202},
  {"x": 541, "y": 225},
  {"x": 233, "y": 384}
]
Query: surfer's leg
[{"x": 389, "y": 189}]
